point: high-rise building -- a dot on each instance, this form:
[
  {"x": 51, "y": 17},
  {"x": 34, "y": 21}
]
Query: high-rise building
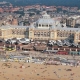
[{"x": 70, "y": 22}]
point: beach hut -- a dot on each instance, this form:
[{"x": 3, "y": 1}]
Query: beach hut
[
  {"x": 78, "y": 52},
  {"x": 27, "y": 48},
  {"x": 73, "y": 52}
]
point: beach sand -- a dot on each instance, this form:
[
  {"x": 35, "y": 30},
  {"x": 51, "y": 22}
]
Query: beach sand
[{"x": 31, "y": 71}]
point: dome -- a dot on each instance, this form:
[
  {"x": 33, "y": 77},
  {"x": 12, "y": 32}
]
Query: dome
[
  {"x": 46, "y": 16},
  {"x": 45, "y": 22}
]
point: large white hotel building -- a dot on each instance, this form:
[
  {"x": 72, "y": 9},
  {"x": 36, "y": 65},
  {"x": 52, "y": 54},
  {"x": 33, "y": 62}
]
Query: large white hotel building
[{"x": 45, "y": 28}]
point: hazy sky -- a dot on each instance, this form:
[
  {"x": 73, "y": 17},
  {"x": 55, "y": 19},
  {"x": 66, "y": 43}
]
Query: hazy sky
[{"x": 47, "y": 2}]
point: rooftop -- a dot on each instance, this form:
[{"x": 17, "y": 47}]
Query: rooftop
[
  {"x": 13, "y": 27},
  {"x": 69, "y": 29}
]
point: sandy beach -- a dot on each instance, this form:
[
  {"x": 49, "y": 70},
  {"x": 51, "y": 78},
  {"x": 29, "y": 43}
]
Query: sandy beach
[{"x": 31, "y": 71}]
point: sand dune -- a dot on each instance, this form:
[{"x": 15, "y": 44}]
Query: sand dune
[{"x": 31, "y": 71}]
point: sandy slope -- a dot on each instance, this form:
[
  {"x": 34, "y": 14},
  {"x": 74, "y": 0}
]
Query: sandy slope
[{"x": 38, "y": 72}]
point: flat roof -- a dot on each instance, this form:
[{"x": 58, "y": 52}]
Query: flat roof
[
  {"x": 52, "y": 27},
  {"x": 13, "y": 27}
]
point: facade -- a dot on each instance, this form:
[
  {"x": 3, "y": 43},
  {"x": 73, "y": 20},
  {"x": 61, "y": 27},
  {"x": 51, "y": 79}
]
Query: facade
[
  {"x": 45, "y": 28},
  {"x": 8, "y": 32}
]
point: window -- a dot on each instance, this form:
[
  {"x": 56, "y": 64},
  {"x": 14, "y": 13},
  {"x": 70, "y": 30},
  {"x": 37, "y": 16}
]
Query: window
[
  {"x": 46, "y": 25},
  {"x": 42, "y": 25},
  {"x": 50, "y": 25},
  {"x": 44, "y": 33},
  {"x": 58, "y": 34},
  {"x": 30, "y": 33},
  {"x": 61, "y": 35},
  {"x": 39, "y": 25},
  {"x": 18, "y": 32},
  {"x": 41, "y": 33},
  {"x": 13, "y": 32}
]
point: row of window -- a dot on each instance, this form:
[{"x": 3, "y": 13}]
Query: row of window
[
  {"x": 45, "y": 34},
  {"x": 18, "y": 32},
  {"x": 42, "y": 25},
  {"x": 41, "y": 35},
  {"x": 65, "y": 34}
]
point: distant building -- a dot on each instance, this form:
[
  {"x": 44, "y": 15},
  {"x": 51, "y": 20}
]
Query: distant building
[
  {"x": 63, "y": 20},
  {"x": 70, "y": 22},
  {"x": 1, "y": 10},
  {"x": 14, "y": 21},
  {"x": 78, "y": 21}
]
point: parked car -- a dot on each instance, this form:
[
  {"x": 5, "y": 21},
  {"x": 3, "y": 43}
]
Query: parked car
[
  {"x": 75, "y": 44},
  {"x": 59, "y": 43},
  {"x": 24, "y": 40}
]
